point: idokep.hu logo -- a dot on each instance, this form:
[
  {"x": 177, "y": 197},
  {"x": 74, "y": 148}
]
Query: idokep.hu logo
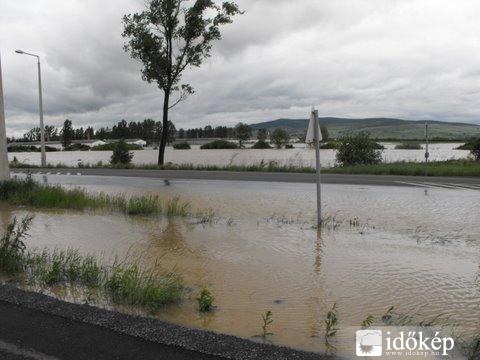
[
  {"x": 369, "y": 342},
  {"x": 422, "y": 343}
]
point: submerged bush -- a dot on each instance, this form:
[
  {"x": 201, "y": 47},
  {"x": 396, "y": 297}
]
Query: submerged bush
[
  {"x": 358, "y": 149},
  {"x": 279, "y": 138},
  {"x": 205, "y": 300},
  {"x": 219, "y": 144},
  {"x": 475, "y": 148},
  {"x": 329, "y": 145},
  {"x": 411, "y": 145},
  {"x": 77, "y": 147},
  {"x": 182, "y": 146},
  {"x": 260, "y": 144},
  {"x": 111, "y": 146},
  {"x": 121, "y": 154}
]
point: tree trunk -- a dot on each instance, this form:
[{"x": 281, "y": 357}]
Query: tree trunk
[{"x": 163, "y": 140}]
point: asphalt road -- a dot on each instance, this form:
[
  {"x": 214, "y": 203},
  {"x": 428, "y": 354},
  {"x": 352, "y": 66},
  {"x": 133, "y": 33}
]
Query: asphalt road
[
  {"x": 374, "y": 180},
  {"x": 34, "y": 335}
]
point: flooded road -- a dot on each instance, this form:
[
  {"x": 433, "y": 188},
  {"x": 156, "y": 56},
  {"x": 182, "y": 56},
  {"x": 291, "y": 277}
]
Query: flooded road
[
  {"x": 300, "y": 156},
  {"x": 415, "y": 249}
]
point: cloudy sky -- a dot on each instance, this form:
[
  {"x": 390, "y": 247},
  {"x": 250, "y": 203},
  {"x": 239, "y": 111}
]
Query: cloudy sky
[{"x": 412, "y": 59}]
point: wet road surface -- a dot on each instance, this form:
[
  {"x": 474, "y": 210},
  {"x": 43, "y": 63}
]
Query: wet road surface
[{"x": 345, "y": 179}]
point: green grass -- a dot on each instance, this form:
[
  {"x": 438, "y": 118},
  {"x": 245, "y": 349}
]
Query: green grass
[
  {"x": 440, "y": 168},
  {"x": 131, "y": 285},
  {"x": 205, "y": 300},
  {"x": 122, "y": 283},
  {"x": 435, "y": 168},
  {"x": 64, "y": 266},
  {"x": 30, "y": 193}
]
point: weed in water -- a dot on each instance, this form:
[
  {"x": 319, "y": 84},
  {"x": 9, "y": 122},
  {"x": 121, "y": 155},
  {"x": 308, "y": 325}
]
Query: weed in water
[
  {"x": 176, "y": 208},
  {"x": 132, "y": 285},
  {"x": 331, "y": 322},
  {"x": 267, "y": 320},
  {"x": 368, "y": 321},
  {"x": 205, "y": 300},
  {"x": 12, "y": 246}
]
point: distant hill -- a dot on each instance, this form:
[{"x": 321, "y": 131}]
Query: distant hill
[{"x": 381, "y": 128}]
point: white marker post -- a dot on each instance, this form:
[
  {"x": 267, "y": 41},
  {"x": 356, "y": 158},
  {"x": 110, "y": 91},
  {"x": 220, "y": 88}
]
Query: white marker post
[
  {"x": 4, "y": 166},
  {"x": 315, "y": 135},
  {"x": 427, "y": 154}
]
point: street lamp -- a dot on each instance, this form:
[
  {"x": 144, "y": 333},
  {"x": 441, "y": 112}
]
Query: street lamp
[
  {"x": 40, "y": 107},
  {"x": 4, "y": 170}
]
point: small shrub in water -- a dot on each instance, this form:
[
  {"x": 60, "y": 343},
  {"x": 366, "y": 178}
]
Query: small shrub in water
[
  {"x": 205, "y": 300},
  {"x": 121, "y": 154},
  {"x": 331, "y": 322},
  {"x": 369, "y": 321},
  {"x": 267, "y": 319},
  {"x": 182, "y": 146}
]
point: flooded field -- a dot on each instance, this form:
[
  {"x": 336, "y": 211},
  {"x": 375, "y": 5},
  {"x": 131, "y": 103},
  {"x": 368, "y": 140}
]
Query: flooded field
[
  {"x": 300, "y": 156},
  {"x": 415, "y": 249}
]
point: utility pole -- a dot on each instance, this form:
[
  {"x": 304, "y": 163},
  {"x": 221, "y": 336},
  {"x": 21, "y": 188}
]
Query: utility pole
[
  {"x": 4, "y": 166},
  {"x": 317, "y": 135},
  {"x": 427, "y": 154}
]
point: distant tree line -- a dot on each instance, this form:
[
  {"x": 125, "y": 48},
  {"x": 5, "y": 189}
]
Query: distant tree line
[
  {"x": 148, "y": 130},
  {"x": 222, "y": 132}
]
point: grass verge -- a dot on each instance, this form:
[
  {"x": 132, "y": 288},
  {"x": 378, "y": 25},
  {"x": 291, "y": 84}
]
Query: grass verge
[
  {"x": 27, "y": 192},
  {"x": 435, "y": 168},
  {"x": 121, "y": 283}
]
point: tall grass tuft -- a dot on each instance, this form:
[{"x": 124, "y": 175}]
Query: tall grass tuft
[
  {"x": 132, "y": 285},
  {"x": 12, "y": 246},
  {"x": 124, "y": 283},
  {"x": 64, "y": 266},
  {"x": 27, "y": 192}
]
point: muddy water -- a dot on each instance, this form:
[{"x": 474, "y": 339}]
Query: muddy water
[
  {"x": 300, "y": 156},
  {"x": 416, "y": 250}
]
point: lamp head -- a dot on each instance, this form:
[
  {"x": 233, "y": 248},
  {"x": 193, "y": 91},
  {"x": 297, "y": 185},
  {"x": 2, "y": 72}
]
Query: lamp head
[{"x": 19, "y": 51}]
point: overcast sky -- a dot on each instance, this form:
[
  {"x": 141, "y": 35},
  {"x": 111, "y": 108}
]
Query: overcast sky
[{"x": 411, "y": 59}]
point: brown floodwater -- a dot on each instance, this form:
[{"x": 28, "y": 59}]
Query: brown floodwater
[{"x": 415, "y": 249}]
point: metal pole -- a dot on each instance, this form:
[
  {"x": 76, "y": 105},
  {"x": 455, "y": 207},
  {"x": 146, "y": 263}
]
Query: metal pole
[
  {"x": 40, "y": 107},
  {"x": 318, "y": 165},
  {"x": 4, "y": 166},
  {"x": 427, "y": 154}
]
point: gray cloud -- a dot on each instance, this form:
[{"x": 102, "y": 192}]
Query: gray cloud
[{"x": 355, "y": 58}]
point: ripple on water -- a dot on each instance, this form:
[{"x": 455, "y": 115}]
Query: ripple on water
[{"x": 419, "y": 253}]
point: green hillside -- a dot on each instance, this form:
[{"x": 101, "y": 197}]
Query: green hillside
[{"x": 381, "y": 128}]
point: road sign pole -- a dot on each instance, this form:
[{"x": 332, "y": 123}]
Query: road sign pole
[
  {"x": 318, "y": 166},
  {"x": 427, "y": 154}
]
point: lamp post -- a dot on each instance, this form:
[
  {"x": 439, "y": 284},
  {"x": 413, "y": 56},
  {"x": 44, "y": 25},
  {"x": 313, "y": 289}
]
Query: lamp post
[
  {"x": 40, "y": 107},
  {"x": 4, "y": 169}
]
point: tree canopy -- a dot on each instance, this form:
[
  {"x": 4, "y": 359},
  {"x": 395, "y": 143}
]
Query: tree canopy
[{"x": 168, "y": 37}]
